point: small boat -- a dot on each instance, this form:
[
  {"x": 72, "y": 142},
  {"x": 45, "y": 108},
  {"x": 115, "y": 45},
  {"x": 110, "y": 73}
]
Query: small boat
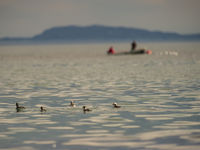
[{"x": 135, "y": 52}]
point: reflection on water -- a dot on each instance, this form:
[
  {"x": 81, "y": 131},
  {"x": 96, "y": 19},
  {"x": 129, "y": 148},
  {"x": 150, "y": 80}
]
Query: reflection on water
[{"x": 158, "y": 95}]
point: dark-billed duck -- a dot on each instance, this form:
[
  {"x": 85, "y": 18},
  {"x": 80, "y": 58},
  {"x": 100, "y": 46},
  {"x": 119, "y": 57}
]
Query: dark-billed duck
[
  {"x": 19, "y": 108},
  {"x": 42, "y": 109},
  {"x": 115, "y": 105},
  {"x": 72, "y": 104},
  {"x": 86, "y": 109}
]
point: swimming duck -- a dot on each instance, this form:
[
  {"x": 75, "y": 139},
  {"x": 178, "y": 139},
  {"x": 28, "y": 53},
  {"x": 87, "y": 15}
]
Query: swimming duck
[
  {"x": 115, "y": 105},
  {"x": 42, "y": 109},
  {"x": 19, "y": 107},
  {"x": 72, "y": 104},
  {"x": 86, "y": 109}
]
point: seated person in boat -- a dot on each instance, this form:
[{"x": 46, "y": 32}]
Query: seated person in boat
[
  {"x": 133, "y": 46},
  {"x": 133, "y": 49},
  {"x": 111, "y": 50}
]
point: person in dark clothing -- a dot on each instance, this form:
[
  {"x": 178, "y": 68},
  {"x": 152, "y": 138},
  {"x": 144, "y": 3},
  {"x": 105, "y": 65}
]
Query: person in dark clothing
[{"x": 133, "y": 46}]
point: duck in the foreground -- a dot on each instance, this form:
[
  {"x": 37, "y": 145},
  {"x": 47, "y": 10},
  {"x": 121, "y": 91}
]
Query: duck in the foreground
[
  {"x": 42, "y": 109},
  {"x": 86, "y": 109},
  {"x": 72, "y": 104},
  {"x": 19, "y": 108},
  {"x": 115, "y": 105}
]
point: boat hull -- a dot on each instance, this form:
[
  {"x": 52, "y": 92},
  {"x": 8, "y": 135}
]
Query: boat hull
[{"x": 136, "y": 52}]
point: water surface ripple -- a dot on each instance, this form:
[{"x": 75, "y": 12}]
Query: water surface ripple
[{"x": 158, "y": 95}]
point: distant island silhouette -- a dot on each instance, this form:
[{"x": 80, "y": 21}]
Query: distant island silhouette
[{"x": 101, "y": 33}]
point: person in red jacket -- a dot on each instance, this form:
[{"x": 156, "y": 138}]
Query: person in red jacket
[{"x": 111, "y": 50}]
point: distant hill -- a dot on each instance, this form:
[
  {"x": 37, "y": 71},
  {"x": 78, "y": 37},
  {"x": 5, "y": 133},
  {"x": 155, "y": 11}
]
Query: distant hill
[{"x": 102, "y": 33}]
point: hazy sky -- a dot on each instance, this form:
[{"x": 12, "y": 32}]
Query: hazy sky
[{"x": 30, "y": 17}]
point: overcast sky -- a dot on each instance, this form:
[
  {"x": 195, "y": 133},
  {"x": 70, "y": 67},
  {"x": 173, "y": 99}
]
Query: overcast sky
[{"x": 26, "y": 18}]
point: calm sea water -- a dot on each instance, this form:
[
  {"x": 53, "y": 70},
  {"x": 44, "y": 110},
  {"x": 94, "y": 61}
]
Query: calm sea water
[{"x": 159, "y": 95}]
